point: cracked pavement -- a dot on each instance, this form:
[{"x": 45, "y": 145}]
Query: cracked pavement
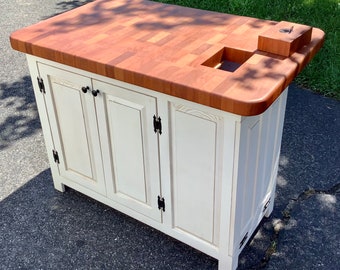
[{"x": 41, "y": 228}]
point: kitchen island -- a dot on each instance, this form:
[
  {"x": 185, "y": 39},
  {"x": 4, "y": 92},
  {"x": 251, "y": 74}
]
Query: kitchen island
[{"x": 169, "y": 114}]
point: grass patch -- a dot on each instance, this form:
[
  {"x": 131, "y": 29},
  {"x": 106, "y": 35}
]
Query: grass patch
[{"x": 322, "y": 74}]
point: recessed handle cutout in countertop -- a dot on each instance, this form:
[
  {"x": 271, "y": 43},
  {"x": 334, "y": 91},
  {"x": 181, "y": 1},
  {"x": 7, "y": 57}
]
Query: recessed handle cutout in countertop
[{"x": 228, "y": 59}]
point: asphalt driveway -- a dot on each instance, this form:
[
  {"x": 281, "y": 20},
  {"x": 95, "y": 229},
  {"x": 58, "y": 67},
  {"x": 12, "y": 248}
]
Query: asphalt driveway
[{"x": 41, "y": 228}]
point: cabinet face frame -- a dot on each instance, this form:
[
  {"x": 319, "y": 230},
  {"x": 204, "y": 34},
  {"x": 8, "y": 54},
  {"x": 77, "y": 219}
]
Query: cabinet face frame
[
  {"x": 226, "y": 247},
  {"x": 163, "y": 103}
]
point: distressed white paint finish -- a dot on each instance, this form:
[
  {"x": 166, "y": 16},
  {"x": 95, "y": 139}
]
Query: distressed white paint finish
[
  {"x": 255, "y": 179},
  {"x": 73, "y": 123},
  {"x": 134, "y": 180},
  {"x": 127, "y": 147},
  {"x": 194, "y": 166},
  {"x": 216, "y": 170}
]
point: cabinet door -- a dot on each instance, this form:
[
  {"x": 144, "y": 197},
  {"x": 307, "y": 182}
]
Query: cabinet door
[
  {"x": 73, "y": 124},
  {"x": 133, "y": 158},
  {"x": 196, "y": 153}
]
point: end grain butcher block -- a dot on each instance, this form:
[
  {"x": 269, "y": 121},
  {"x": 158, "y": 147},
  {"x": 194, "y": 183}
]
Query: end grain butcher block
[
  {"x": 232, "y": 63},
  {"x": 196, "y": 99}
]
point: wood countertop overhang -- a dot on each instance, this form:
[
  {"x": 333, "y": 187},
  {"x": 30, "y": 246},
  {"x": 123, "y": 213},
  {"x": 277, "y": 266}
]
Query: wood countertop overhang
[{"x": 173, "y": 50}]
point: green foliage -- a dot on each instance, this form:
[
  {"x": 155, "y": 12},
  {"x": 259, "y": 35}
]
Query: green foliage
[{"x": 322, "y": 74}]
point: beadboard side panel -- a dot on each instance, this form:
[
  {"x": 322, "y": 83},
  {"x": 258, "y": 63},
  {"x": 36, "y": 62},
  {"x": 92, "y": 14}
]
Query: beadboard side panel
[{"x": 259, "y": 150}]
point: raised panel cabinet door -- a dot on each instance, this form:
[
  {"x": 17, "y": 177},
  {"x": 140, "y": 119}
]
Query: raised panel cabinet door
[
  {"x": 73, "y": 124},
  {"x": 134, "y": 162},
  {"x": 196, "y": 149}
]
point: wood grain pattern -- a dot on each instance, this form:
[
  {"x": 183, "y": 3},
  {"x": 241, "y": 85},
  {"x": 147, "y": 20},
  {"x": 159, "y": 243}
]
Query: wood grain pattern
[
  {"x": 285, "y": 38},
  {"x": 163, "y": 48}
]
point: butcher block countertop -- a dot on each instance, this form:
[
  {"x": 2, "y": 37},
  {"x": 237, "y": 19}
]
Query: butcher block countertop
[{"x": 232, "y": 63}]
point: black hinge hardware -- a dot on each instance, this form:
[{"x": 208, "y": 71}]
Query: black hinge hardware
[
  {"x": 157, "y": 124},
  {"x": 161, "y": 203},
  {"x": 266, "y": 205},
  {"x": 244, "y": 239},
  {"x": 55, "y": 156},
  {"x": 41, "y": 85}
]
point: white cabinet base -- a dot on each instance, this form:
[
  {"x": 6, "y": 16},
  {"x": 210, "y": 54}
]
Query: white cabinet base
[{"x": 216, "y": 171}]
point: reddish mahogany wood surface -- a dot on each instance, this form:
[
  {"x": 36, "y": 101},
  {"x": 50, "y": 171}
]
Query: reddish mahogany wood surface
[{"x": 163, "y": 48}]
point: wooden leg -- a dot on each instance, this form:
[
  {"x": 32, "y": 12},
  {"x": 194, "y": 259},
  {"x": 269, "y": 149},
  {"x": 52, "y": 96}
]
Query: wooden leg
[
  {"x": 59, "y": 186},
  {"x": 227, "y": 263}
]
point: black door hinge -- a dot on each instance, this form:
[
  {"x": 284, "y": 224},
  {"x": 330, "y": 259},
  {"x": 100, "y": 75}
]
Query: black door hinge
[
  {"x": 266, "y": 205},
  {"x": 161, "y": 203},
  {"x": 55, "y": 156},
  {"x": 244, "y": 239},
  {"x": 41, "y": 85},
  {"x": 157, "y": 124}
]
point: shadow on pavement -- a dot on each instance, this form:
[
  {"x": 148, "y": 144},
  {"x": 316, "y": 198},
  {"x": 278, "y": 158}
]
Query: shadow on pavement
[
  {"x": 64, "y": 6},
  {"x": 20, "y": 116},
  {"x": 41, "y": 228}
]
